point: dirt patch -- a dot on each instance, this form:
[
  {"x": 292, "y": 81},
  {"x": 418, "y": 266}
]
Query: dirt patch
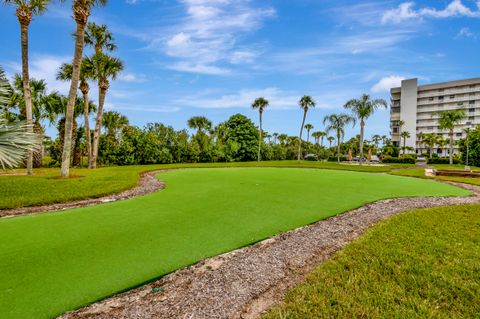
[
  {"x": 147, "y": 184},
  {"x": 247, "y": 282}
]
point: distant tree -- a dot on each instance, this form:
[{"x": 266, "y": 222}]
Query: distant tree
[
  {"x": 114, "y": 122},
  {"x": 404, "y": 136},
  {"x": 308, "y": 127},
  {"x": 330, "y": 141},
  {"x": 306, "y": 102},
  {"x": 260, "y": 104},
  {"x": 199, "y": 123},
  {"x": 447, "y": 121},
  {"x": 362, "y": 109},
  {"x": 430, "y": 140},
  {"x": 337, "y": 123}
]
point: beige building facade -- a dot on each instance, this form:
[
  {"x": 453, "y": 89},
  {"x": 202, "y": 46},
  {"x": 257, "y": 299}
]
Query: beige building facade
[{"x": 418, "y": 106}]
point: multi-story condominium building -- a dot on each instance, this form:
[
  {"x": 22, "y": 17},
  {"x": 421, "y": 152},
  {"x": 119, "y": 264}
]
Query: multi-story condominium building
[{"x": 418, "y": 107}]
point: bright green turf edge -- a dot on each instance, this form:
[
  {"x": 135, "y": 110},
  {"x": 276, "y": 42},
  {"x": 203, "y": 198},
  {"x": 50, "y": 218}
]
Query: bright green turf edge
[
  {"x": 51, "y": 263},
  {"x": 420, "y": 264},
  {"x": 20, "y": 191}
]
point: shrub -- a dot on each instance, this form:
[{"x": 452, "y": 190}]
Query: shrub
[
  {"x": 441, "y": 161},
  {"x": 399, "y": 160},
  {"x": 334, "y": 158}
]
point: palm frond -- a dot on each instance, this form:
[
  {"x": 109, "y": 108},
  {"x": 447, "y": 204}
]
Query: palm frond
[{"x": 15, "y": 141}]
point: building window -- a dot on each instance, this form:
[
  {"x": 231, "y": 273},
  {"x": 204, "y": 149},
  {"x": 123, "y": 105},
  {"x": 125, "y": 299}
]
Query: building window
[
  {"x": 440, "y": 98},
  {"x": 472, "y": 86},
  {"x": 440, "y": 90},
  {"x": 460, "y": 103},
  {"x": 471, "y": 118},
  {"x": 459, "y": 134},
  {"x": 452, "y": 96},
  {"x": 471, "y": 102},
  {"x": 430, "y": 127},
  {"x": 471, "y": 110},
  {"x": 430, "y": 98},
  {"x": 395, "y": 130}
]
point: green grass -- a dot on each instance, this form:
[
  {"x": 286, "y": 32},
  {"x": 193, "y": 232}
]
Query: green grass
[
  {"x": 19, "y": 191},
  {"x": 420, "y": 173},
  {"x": 421, "y": 264},
  {"x": 53, "y": 262}
]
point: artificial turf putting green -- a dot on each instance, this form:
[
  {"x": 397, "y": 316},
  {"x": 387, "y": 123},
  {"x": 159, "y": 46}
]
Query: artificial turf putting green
[{"x": 54, "y": 262}]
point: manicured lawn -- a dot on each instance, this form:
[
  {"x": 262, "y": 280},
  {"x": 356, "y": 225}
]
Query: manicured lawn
[
  {"x": 420, "y": 173},
  {"x": 421, "y": 264},
  {"x": 53, "y": 262},
  {"x": 18, "y": 191}
]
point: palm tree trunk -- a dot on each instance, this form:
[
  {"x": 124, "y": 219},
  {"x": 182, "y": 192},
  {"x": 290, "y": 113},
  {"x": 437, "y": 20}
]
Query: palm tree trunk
[
  {"x": 451, "y": 147},
  {"x": 321, "y": 143},
  {"x": 72, "y": 96},
  {"x": 300, "y": 137},
  {"x": 87, "y": 125},
  {"x": 338, "y": 147},
  {"x": 404, "y": 143},
  {"x": 98, "y": 126},
  {"x": 362, "y": 132},
  {"x": 26, "y": 90},
  {"x": 308, "y": 136},
  {"x": 431, "y": 152},
  {"x": 260, "y": 140}
]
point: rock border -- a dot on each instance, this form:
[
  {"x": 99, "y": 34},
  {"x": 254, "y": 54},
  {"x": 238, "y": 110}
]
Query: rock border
[
  {"x": 147, "y": 184},
  {"x": 247, "y": 282}
]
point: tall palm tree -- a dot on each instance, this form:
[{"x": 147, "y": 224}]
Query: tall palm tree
[
  {"x": 337, "y": 123},
  {"x": 114, "y": 122},
  {"x": 275, "y": 137},
  {"x": 305, "y": 103},
  {"x": 260, "y": 104},
  {"x": 81, "y": 12},
  {"x": 100, "y": 38},
  {"x": 404, "y": 136},
  {"x": 362, "y": 109},
  {"x": 322, "y": 136},
  {"x": 26, "y": 9},
  {"x": 199, "y": 123},
  {"x": 65, "y": 74},
  {"x": 330, "y": 141},
  {"x": 103, "y": 68},
  {"x": 430, "y": 140},
  {"x": 308, "y": 127},
  {"x": 316, "y": 136},
  {"x": 447, "y": 121},
  {"x": 376, "y": 139}
]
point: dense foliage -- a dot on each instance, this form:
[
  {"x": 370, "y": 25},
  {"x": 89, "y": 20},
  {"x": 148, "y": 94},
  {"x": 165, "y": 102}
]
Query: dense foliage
[{"x": 473, "y": 147}]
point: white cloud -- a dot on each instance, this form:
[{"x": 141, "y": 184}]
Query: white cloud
[
  {"x": 45, "y": 67},
  {"x": 207, "y": 40},
  {"x": 131, "y": 77},
  {"x": 405, "y": 11},
  {"x": 465, "y": 32},
  {"x": 386, "y": 83}
]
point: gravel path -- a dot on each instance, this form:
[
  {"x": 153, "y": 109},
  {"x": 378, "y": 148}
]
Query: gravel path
[
  {"x": 147, "y": 184},
  {"x": 248, "y": 281}
]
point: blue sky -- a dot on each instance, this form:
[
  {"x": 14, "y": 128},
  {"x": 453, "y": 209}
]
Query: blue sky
[{"x": 213, "y": 57}]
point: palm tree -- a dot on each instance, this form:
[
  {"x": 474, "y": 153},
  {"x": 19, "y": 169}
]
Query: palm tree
[
  {"x": 362, "y": 109},
  {"x": 430, "y": 140},
  {"x": 26, "y": 9},
  {"x": 114, "y": 122},
  {"x": 282, "y": 138},
  {"x": 81, "y": 12},
  {"x": 420, "y": 137},
  {"x": 337, "y": 123},
  {"x": 100, "y": 38},
  {"x": 447, "y": 121},
  {"x": 376, "y": 139},
  {"x": 65, "y": 74},
  {"x": 199, "y": 123},
  {"x": 330, "y": 141},
  {"x": 405, "y": 135},
  {"x": 275, "y": 137},
  {"x": 316, "y": 136},
  {"x": 308, "y": 127},
  {"x": 260, "y": 104},
  {"x": 322, "y": 135},
  {"x": 103, "y": 68},
  {"x": 305, "y": 103}
]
